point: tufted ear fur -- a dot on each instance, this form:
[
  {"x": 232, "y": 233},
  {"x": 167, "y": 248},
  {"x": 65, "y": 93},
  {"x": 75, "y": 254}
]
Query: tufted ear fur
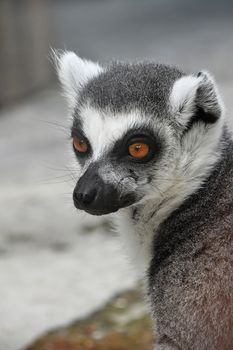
[
  {"x": 73, "y": 73},
  {"x": 195, "y": 98}
]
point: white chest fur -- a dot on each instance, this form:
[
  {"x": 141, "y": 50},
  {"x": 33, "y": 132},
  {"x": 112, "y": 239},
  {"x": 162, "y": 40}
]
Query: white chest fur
[{"x": 138, "y": 227}]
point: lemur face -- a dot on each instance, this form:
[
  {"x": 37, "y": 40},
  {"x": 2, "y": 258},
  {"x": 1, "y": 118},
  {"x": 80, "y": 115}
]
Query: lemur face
[
  {"x": 131, "y": 127},
  {"x": 118, "y": 155}
]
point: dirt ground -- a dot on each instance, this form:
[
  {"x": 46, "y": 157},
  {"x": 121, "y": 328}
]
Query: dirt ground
[{"x": 123, "y": 324}]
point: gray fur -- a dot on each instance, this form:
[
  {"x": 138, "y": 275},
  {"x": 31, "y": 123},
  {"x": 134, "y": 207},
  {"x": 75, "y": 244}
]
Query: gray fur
[
  {"x": 190, "y": 276},
  {"x": 121, "y": 87}
]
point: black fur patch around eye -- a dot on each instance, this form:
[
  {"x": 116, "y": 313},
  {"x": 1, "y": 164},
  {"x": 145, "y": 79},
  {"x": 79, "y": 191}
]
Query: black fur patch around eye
[
  {"x": 120, "y": 149},
  {"x": 77, "y": 131}
]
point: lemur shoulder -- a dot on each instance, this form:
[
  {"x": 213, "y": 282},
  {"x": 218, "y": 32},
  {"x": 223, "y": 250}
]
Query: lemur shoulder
[{"x": 153, "y": 147}]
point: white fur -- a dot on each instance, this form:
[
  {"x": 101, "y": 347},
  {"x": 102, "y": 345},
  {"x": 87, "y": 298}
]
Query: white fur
[
  {"x": 103, "y": 128},
  {"x": 74, "y": 72},
  {"x": 183, "y": 92}
]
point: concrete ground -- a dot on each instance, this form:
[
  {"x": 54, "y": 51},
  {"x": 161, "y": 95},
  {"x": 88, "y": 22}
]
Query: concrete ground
[{"x": 54, "y": 267}]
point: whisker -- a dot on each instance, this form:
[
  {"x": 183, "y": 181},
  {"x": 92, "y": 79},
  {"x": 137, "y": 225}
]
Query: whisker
[
  {"x": 59, "y": 127},
  {"x": 57, "y": 182}
]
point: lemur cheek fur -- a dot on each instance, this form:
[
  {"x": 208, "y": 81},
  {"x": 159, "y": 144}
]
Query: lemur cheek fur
[{"x": 172, "y": 189}]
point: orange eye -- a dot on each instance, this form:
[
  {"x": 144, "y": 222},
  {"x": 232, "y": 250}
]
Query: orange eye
[
  {"x": 80, "y": 145},
  {"x": 138, "y": 150}
]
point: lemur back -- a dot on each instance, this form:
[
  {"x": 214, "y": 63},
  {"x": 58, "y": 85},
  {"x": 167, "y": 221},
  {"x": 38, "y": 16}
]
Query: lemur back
[{"x": 152, "y": 148}]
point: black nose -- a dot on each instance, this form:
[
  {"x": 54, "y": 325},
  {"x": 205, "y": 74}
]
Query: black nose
[
  {"x": 85, "y": 197},
  {"x": 96, "y": 197}
]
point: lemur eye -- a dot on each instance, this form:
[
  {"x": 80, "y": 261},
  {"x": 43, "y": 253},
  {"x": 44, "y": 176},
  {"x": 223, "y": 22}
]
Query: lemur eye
[
  {"x": 80, "y": 145},
  {"x": 138, "y": 150}
]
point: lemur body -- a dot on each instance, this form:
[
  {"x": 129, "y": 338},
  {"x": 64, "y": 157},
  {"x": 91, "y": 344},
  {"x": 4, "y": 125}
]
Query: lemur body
[
  {"x": 191, "y": 270},
  {"x": 152, "y": 145}
]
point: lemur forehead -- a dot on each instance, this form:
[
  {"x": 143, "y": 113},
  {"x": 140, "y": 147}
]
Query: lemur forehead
[
  {"x": 121, "y": 87},
  {"x": 103, "y": 127}
]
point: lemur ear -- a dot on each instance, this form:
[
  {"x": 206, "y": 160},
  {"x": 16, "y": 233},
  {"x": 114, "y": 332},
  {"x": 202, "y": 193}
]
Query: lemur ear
[
  {"x": 194, "y": 98},
  {"x": 73, "y": 73}
]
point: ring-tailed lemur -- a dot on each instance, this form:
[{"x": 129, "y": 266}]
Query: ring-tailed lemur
[{"x": 152, "y": 145}]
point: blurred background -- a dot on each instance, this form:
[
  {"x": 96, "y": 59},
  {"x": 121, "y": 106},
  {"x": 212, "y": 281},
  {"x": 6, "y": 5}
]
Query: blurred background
[{"x": 57, "y": 266}]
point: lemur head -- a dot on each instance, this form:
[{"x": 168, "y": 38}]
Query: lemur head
[{"x": 137, "y": 130}]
